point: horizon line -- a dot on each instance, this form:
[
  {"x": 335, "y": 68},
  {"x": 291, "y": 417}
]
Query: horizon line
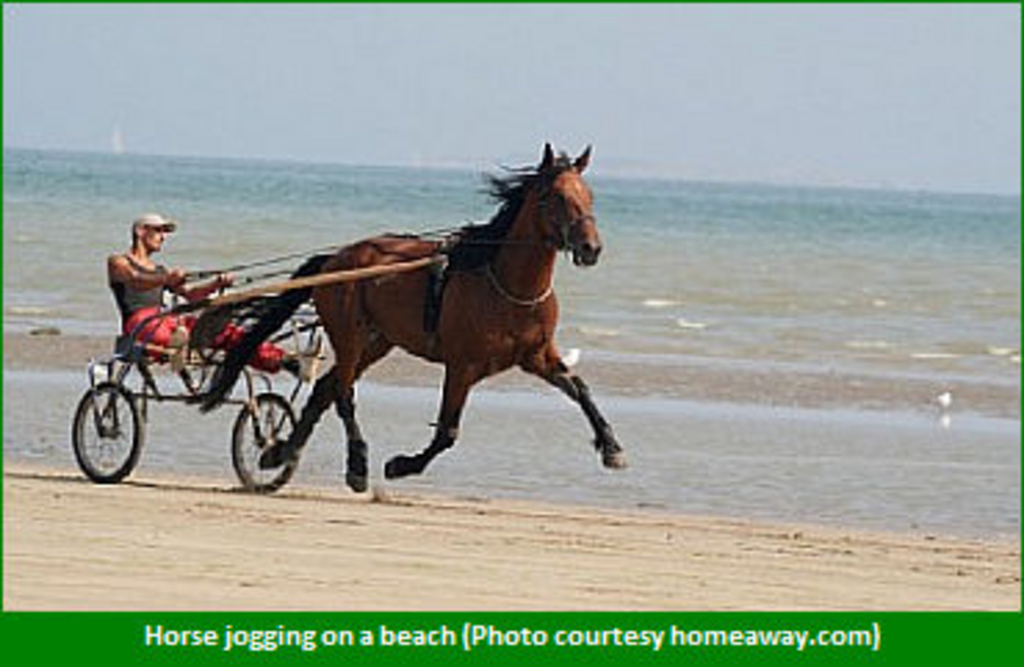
[{"x": 617, "y": 173}]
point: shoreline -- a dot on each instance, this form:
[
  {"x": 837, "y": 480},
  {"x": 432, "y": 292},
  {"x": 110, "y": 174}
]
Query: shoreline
[
  {"x": 172, "y": 543},
  {"x": 177, "y": 538},
  {"x": 900, "y": 469},
  {"x": 714, "y": 381}
]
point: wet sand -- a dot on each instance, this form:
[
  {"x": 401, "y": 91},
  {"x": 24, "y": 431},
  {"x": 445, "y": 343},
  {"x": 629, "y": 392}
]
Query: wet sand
[
  {"x": 169, "y": 541},
  {"x": 703, "y": 380},
  {"x": 176, "y": 544}
]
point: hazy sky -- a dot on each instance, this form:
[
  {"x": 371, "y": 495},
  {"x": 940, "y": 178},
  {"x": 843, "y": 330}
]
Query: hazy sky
[{"x": 907, "y": 96}]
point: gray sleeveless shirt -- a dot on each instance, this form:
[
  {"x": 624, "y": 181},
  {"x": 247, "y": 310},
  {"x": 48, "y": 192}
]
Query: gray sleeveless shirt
[{"x": 130, "y": 300}]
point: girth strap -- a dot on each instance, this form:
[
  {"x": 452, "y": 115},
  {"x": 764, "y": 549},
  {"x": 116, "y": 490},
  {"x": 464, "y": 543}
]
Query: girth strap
[{"x": 437, "y": 279}]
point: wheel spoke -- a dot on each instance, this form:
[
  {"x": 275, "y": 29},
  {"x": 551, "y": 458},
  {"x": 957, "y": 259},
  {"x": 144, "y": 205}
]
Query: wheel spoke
[
  {"x": 106, "y": 434},
  {"x": 254, "y": 434}
]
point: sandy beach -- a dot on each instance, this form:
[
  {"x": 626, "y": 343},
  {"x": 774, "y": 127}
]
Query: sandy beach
[
  {"x": 176, "y": 544},
  {"x": 173, "y": 539}
]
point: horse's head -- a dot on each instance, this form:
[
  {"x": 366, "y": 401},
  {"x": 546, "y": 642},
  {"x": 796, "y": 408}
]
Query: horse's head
[{"x": 566, "y": 207}]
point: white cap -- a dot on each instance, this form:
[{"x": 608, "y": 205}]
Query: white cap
[{"x": 154, "y": 220}]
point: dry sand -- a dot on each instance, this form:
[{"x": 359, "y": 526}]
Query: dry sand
[{"x": 163, "y": 544}]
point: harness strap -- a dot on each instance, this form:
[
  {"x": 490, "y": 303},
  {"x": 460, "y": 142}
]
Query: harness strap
[
  {"x": 437, "y": 279},
  {"x": 526, "y": 303}
]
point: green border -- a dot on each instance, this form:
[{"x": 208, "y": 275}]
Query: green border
[{"x": 906, "y": 638}]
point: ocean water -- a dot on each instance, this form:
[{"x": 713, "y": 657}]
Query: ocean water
[
  {"x": 891, "y": 471},
  {"x": 861, "y": 280},
  {"x": 896, "y": 285}
]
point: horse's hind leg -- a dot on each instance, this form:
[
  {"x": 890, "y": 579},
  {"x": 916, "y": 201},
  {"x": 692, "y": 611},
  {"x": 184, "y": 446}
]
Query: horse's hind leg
[
  {"x": 323, "y": 394},
  {"x": 552, "y": 370},
  {"x": 338, "y": 307},
  {"x": 355, "y": 462},
  {"x": 356, "y": 466}
]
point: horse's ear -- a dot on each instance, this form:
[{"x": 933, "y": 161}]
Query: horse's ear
[
  {"x": 548, "y": 160},
  {"x": 580, "y": 165}
]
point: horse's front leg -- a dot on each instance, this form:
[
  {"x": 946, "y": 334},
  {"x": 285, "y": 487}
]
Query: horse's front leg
[
  {"x": 552, "y": 370},
  {"x": 457, "y": 383}
]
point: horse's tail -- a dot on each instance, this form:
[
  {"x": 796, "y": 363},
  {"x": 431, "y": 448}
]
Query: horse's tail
[{"x": 272, "y": 314}]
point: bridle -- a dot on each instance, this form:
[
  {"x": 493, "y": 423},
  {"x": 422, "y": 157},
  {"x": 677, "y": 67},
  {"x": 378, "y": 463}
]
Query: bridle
[{"x": 563, "y": 227}]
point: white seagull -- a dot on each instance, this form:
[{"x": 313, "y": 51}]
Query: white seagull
[{"x": 571, "y": 357}]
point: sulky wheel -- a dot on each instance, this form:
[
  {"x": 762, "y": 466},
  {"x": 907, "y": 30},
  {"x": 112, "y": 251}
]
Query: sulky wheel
[
  {"x": 254, "y": 433},
  {"x": 107, "y": 433}
]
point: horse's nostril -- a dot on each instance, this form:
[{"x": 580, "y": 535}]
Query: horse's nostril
[{"x": 589, "y": 252}]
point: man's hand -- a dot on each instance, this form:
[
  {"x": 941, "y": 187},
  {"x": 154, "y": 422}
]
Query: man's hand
[{"x": 174, "y": 278}]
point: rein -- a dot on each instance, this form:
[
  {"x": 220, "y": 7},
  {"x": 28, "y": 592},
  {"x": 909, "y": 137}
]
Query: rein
[
  {"x": 331, "y": 278},
  {"x": 436, "y": 235},
  {"x": 210, "y": 273},
  {"x": 560, "y": 243}
]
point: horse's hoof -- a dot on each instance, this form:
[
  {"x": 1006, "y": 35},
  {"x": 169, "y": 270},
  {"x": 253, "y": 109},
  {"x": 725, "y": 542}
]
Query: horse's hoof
[
  {"x": 357, "y": 483},
  {"x": 273, "y": 457},
  {"x": 399, "y": 466},
  {"x": 615, "y": 460},
  {"x": 356, "y": 473}
]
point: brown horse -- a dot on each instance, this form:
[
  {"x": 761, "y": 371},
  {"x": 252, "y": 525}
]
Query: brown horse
[{"x": 497, "y": 310}]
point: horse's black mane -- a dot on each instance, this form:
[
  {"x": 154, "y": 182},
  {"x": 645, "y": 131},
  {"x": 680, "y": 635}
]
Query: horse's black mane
[{"x": 477, "y": 245}]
